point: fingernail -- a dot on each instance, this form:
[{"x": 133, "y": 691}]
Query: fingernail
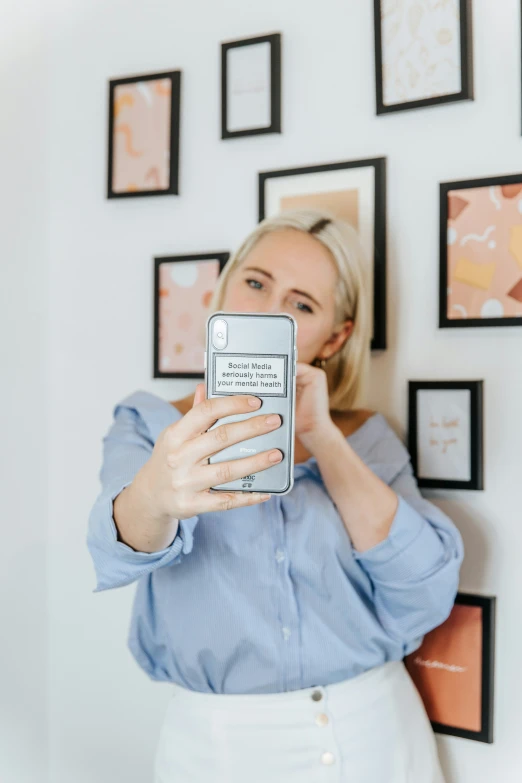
[
  {"x": 272, "y": 420},
  {"x": 275, "y": 456},
  {"x": 254, "y": 402}
]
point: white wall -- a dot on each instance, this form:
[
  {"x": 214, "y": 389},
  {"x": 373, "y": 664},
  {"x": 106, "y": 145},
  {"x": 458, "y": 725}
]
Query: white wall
[
  {"x": 23, "y": 395},
  {"x": 104, "y": 713}
]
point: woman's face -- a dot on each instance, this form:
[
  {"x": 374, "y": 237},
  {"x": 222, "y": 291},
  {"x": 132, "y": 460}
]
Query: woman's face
[{"x": 289, "y": 271}]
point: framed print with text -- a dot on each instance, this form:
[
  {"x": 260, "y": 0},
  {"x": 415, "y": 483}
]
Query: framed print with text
[
  {"x": 353, "y": 190},
  {"x": 251, "y": 86},
  {"x": 445, "y": 433},
  {"x": 143, "y": 144},
  {"x": 183, "y": 288},
  {"x": 480, "y": 240},
  {"x": 423, "y": 53},
  {"x": 453, "y": 670}
]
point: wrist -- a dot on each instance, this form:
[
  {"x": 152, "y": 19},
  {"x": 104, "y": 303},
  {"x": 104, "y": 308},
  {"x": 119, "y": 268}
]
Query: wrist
[{"x": 322, "y": 439}]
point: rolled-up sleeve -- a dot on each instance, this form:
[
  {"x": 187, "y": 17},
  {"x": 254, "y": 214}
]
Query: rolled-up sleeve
[
  {"x": 415, "y": 570},
  {"x": 126, "y": 448}
]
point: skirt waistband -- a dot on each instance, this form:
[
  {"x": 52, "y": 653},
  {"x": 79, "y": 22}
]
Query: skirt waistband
[{"x": 358, "y": 691}]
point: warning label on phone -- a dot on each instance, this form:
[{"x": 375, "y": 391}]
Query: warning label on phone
[{"x": 240, "y": 374}]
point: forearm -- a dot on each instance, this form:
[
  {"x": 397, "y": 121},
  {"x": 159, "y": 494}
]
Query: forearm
[
  {"x": 136, "y": 526},
  {"x": 366, "y": 504}
]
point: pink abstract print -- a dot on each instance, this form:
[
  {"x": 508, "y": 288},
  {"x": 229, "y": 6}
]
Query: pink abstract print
[
  {"x": 485, "y": 252},
  {"x": 141, "y": 139},
  {"x": 185, "y": 291}
]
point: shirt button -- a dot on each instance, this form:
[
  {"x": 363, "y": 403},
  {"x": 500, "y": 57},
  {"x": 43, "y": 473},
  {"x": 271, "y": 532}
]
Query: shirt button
[
  {"x": 286, "y": 632},
  {"x": 317, "y": 695},
  {"x": 321, "y": 719},
  {"x": 279, "y": 555},
  {"x": 328, "y": 758}
]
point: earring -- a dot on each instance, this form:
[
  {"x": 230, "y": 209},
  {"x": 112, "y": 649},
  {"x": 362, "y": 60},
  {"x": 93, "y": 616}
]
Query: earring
[{"x": 320, "y": 363}]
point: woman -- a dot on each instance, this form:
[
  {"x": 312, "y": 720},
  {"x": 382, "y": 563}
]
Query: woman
[{"x": 282, "y": 626}]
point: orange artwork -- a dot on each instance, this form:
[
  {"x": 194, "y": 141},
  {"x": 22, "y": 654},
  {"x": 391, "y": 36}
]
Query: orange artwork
[
  {"x": 484, "y": 241},
  {"x": 185, "y": 290},
  {"x": 447, "y": 669}
]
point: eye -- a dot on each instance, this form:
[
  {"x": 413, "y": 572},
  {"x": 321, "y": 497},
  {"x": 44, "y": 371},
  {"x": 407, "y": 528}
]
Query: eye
[
  {"x": 251, "y": 280},
  {"x": 308, "y": 309}
]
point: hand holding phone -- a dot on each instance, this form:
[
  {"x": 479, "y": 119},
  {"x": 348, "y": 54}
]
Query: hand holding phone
[
  {"x": 255, "y": 353},
  {"x": 178, "y": 476}
]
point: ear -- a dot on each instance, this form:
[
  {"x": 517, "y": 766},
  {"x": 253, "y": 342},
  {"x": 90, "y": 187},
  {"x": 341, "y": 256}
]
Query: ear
[{"x": 337, "y": 339}]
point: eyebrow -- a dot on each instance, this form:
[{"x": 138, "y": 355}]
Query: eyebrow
[{"x": 295, "y": 290}]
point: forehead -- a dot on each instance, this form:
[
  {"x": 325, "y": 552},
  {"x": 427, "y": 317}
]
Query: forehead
[{"x": 293, "y": 256}]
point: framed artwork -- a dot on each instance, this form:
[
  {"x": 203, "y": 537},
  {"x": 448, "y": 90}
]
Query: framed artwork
[
  {"x": 445, "y": 433},
  {"x": 481, "y": 252},
  {"x": 144, "y": 119},
  {"x": 251, "y": 86},
  {"x": 453, "y": 670},
  {"x": 353, "y": 190},
  {"x": 423, "y": 53},
  {"x": 183, "y": 288}
]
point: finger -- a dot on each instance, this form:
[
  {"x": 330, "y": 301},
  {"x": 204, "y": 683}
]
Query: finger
[
  {"x": 208, "y": 411},
  {"x": 225, "y": 501},
  {"x": 199, "y": 395},
  {"x": 207, "y": 476},
  {"x": 209, "y": 443}
]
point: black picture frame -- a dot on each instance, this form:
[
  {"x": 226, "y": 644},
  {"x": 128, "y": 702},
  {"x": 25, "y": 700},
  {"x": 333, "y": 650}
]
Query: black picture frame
[
  {"x": 378, "y": 342},
  {"x": 466, "y": 65},
  {"x": 487, "y": 604},
  {"x": 174, "y": 147},
  {"x": 274, "y": 39},
  {"x": 476, "y": 444},
  {"x": 445, "y": 189},
  {"x": 220, "y": 256}
]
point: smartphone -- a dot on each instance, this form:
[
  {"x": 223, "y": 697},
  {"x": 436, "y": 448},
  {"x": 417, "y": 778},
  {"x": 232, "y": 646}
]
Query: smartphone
[{"x": 255, "y": 353}]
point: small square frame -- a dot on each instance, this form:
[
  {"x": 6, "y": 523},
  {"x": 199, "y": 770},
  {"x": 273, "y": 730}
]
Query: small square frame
[
  {"x": 476, "y": 444},
  {"x": 274, "y": 40}
]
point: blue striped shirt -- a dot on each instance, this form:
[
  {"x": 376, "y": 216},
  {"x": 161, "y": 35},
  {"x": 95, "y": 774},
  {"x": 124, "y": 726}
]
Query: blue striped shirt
[{"x": 274, "y": 597}]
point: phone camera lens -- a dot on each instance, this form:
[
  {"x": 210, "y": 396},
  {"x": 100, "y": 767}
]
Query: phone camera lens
[{"x": 220, "y": 334}]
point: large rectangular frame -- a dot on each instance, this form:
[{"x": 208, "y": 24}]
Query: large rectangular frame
[
  {"x": 466, "y": 65},
  {"x": 175, "y": 110},
  {"x": 445, "y": 189},
  {"x": 379, "y": 239}
]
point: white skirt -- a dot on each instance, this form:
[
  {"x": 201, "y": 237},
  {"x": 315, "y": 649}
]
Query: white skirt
[{"x": 368, "y": 729}]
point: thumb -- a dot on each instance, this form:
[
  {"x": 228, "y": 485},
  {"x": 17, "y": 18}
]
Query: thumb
[{"x": 199, "y": 395}]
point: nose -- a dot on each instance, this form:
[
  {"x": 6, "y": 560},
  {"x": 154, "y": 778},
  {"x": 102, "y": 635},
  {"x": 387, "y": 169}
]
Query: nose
[{"x": 271, "y": 306}]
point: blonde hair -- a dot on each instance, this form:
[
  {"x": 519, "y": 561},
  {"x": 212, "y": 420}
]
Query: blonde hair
[{"x": 347, "y": 369}]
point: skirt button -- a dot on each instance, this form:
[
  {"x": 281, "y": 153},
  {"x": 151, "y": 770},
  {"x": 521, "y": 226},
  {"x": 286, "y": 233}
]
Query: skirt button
[
  {"x": 321, "y": 719},
  {"x": 317, "y": 695},
  {"x": 328, "y": 758}
]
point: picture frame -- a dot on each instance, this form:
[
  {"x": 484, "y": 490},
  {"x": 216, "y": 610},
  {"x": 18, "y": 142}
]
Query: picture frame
[
  {"x": 480, "y": 252},
  {"x": 454, "y": 670},
  {"x": 183, "y": 287},
  {"x": 251, "y": 86},
  {"x": 354, "y": 190},
  {"x": 423, "y": 54},
  {"x": 445, "y": 433},
  {"x": 144, "y": 135}
]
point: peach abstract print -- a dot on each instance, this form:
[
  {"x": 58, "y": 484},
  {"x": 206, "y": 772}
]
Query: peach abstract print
[
  {"x": 484, "y": 240},
  {"x": 141, "y": 138},
  {"x": 185, "y": 290}
]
